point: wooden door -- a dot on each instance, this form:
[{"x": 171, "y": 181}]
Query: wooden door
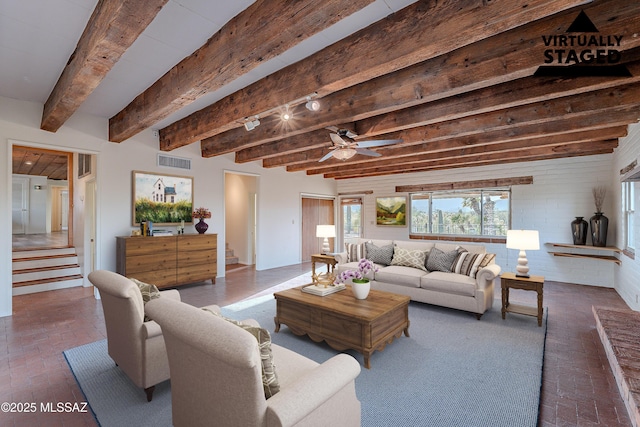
[{"x": 315, "y": 211}]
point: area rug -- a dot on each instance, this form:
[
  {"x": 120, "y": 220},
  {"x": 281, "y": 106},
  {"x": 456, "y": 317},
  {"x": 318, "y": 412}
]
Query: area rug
[{"x": 453, "y": 370}]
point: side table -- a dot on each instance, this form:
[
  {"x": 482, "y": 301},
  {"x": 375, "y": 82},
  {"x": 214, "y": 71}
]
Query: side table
[
  {"x": 532, "y": 283},
  {"x": 330, "y": 260}
]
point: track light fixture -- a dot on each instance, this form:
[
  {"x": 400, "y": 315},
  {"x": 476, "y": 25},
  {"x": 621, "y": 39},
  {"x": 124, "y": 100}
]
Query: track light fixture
[
  {"x": 312, "y": 104},
  {"x": 286, "y": 115},
  {"x": 252, "y": 124}
]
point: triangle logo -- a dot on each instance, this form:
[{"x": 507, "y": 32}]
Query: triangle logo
[
  {"x": 582, "y": 55},
  {"x": 582, "y": 24}
]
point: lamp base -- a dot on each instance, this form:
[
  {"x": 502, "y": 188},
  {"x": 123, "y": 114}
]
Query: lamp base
[
  {"x": 325, "y": 246},
  {"x": 522, "y": 269}
]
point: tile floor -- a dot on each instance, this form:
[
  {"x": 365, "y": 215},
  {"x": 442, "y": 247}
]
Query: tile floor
[{"x": 578, "y": 387}]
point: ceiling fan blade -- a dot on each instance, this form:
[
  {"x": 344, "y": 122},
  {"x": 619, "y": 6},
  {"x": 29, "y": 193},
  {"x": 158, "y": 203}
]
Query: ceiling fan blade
[
  {"x": 337, "y": 140},
  {"x": 378, "y": 143},
  {"x": 326, "y": 156},
  {"x": 333, "y": 128},
  {"x": 367, "y": 152}
]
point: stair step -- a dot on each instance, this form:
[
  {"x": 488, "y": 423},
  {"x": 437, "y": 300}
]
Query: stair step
[
  {"x": 46, "y": 273},
  {"x": 35, "y": 253},
  {"x": 229, "y": 252},
  {"x": 43, "y": 262},
  {"x": 44, "y": 285},
  {"x": 43, "y": 281},
  {"x": 231, "y": 260}
]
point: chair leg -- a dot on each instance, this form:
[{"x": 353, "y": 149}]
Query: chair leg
[
  {"x": 478, "y": 315},
  {"x": 149, "y": 391}
]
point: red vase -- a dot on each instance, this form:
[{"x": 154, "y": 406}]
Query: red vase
[{"x": 201, "y": 226}]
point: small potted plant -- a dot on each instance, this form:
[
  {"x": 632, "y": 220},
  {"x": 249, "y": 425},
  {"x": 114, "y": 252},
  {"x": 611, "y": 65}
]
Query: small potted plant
[
  {"x": 360, "y": 285},
  {"x": 201, "y": 213}
]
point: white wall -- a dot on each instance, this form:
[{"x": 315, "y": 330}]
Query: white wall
[
  {"x": 627, "y": 277},
  {"x": 561, "y": 190},
  {"x": 278, "y": 239}
]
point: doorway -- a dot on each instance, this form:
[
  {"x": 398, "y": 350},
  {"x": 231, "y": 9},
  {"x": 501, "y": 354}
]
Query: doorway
[
  {"x": 315, "y": 211},
  {"x": 241, "y": 200},
  {"x": 42, "y": 197}
]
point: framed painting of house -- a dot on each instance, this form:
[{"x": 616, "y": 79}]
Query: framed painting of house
[
  {"x": 391, "y": 211},
  {"x": 162, "y": 199}
]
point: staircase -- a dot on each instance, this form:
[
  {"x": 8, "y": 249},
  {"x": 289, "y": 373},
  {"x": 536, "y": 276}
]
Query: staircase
[
  {"x": 42, "y": 270},
  {"x": 230, "y": 257}
]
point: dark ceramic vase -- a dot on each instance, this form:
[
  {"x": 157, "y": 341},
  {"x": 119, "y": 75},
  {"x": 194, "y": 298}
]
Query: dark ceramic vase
[
  {"x": 599, "y": 225},
  {"x": 201, "y": 226},
  {"x": 579, "y": 228}
]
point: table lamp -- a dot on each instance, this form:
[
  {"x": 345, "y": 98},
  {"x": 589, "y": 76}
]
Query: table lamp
[
  {"x": 523, "y": 240},
  {"x": 325, "y": 231}
]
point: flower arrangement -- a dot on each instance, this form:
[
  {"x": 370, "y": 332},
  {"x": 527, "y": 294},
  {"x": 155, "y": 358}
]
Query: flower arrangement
[
  {"x": 201, "y": 213},
  {"x": 364, "y": 267}
]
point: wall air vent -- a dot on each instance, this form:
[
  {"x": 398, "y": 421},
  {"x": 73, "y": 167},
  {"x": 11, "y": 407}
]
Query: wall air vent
[{"x": 174, "y": 162}]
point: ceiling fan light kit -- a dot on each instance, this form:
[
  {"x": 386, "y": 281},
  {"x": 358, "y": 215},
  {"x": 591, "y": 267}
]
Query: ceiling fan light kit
[
  {"x": 344, "y": 153},
  {"x": 344, "y": 147}
]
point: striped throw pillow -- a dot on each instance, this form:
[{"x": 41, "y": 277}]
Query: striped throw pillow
[
  {"x": 355, "y": 251},
  {"x": 469, "y": 264}
]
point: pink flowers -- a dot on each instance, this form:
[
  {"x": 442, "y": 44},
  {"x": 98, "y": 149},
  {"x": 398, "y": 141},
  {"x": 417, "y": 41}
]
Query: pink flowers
[{"x": 364, "y": 267}]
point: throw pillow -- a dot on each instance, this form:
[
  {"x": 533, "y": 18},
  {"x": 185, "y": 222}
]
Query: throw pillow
[
  {"x": 355, "y": 251},
  {"x": 441, "y": 261},
  {"x": 462, "y": 253},
  {"x": 148, "y": 293},
  {"x": 469, "y": 264},
  {"x": 409, "y": 258},
  {"x": 379, "y": 255},
  {"x": 270, "y": 381}
]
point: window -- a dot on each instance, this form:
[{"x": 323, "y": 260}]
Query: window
[
  {"x": 351, "y": 217},
  {"x": 628, "y": 212},
  {"x": 467, "y": 213},
  {"x": 84, "y": 165}
]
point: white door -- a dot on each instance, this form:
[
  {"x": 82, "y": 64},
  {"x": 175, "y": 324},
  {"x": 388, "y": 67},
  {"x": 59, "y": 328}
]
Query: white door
[{"x": 20, "y": 205}]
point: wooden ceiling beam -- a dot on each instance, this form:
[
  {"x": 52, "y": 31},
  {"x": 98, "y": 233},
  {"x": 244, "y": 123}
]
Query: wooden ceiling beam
[
  {"x": 506, "y": 95},
  {"x": 606, "y": 105},
  {"x": 529, "y": 154},
  {"x": 261, "y": 32},
  {"x": 112, "y": 28},
  {"x": 472, "y": 153},
  {"x": 437, "y": 84},
  {"x": 419, "y": 32}
]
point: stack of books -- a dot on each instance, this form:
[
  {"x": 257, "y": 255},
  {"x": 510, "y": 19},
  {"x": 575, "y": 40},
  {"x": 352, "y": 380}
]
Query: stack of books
[{"x": 321, "y": 290}]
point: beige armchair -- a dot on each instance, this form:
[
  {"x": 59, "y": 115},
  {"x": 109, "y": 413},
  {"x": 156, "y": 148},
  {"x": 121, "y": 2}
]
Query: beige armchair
[
  {"x": 136, "y": 346},
  {"x": 216, "y": 376}
]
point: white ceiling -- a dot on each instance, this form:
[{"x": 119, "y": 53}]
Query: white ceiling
[{"x": 37, "y": 38}]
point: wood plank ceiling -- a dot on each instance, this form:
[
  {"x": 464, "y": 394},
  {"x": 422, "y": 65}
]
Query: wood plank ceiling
[{"x": 458, "y": 81}]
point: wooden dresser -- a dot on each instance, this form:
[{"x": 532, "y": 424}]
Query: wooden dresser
[{"x": 167, "y": 261}]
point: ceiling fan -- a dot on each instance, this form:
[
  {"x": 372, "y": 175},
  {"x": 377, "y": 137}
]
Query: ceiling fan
[{"x": 344, "y": 147}]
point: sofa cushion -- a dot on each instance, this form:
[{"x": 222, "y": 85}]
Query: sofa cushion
[
  {"x": 355, "y": 251},
  {"x": 441, "y": 261},
  {"x": 414, "y": 245},
  {"x": 451, "y": 283},
  {"x": 400, "y": 275},
  {"x": 409, "y": 258},
  {"x": 379, "y": 255},
  {"x": 270, "y": 381}
]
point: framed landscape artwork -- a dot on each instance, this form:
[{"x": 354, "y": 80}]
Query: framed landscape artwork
[
  {"x": 162, "y": 199},
  {"x": 391, "y": 211}
]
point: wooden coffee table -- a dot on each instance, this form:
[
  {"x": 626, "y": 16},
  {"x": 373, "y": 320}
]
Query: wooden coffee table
[{"x": 344, "y": 322}]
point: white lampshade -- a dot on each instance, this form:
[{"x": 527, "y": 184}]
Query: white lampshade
[
  {"x": 326, "y": 231},
  {"x": 523, "y": 240}
]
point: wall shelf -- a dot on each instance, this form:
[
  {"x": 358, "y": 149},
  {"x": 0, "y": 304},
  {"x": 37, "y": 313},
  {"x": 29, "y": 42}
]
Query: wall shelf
[{"x": 611, "y": 249}]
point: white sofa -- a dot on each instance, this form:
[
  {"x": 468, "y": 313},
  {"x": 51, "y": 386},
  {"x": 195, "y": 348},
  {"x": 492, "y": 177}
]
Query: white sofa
[{"x": 471, "y": 292}]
